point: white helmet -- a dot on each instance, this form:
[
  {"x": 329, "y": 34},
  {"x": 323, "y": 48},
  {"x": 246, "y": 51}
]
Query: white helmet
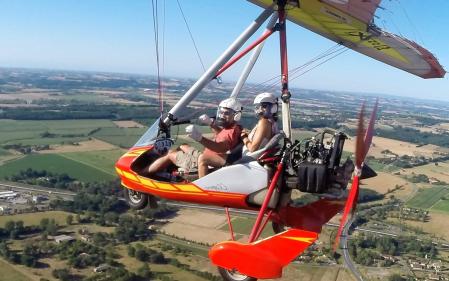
[
  {"x": 233, "y": 104},
  {"x": 266, "y": 99}
]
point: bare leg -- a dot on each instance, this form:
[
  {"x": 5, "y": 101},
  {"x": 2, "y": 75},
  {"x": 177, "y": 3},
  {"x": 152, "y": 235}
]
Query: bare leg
[
  {"x": 162, "y": 163},
  {"x": 204, "y": 161}
]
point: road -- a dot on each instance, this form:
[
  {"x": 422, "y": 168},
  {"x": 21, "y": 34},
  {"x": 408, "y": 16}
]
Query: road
[
  {"x": 344, "y": 247},
  {"x": 16, "y": 187}
]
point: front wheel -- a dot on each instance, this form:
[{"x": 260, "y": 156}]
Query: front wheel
[
  {"x": 233, "y": 275},
  {"x": 135, "y": 199}
]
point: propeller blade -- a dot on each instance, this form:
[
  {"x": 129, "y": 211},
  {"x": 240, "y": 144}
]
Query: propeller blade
[
  {"x": 370, "y": 130},
  {"x": 353, "y": 194}
]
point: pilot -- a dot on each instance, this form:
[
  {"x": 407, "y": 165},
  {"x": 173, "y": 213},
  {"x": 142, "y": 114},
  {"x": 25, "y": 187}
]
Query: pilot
[
  {"x": 226, "y": 136},
  {"x": 265, "y": 108}
]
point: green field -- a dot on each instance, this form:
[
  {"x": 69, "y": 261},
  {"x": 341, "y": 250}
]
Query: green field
[
  {"x": 426, "y": 198},
  {"x": 8, "y": 273},
  {"x": 103, "y": 160},
  {"x": 122, "y": 137},
  {"x": 29, "y": 132},
  {"x": 442, "y": 206},
  {"x": 4, "y": 152},
  {"x": 244, "y": 225},
  {"x": 57, "y": 164},
  {"x": 35, "y": 218}
]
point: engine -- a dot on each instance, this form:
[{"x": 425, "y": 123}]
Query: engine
[{"x": 316, "y": 162}]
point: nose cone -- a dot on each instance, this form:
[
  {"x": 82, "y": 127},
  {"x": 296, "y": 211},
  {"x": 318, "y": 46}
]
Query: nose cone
[
  {"x": 123, "y": 164},
  {"x": 367, "y": 172}
]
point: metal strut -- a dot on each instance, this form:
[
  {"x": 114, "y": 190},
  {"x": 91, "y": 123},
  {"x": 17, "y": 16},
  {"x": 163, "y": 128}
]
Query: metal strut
[
  {"x": 249, "y": 66},
  {"x": 285, "y": 94},
  {"x": 210, "y": 73}
]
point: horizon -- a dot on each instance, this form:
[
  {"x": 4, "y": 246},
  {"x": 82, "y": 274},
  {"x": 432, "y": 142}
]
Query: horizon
[{"x": 359, "y": 93}]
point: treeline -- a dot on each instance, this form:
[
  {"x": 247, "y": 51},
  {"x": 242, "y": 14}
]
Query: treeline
[
  {"x": 414, "y": 136},
  {"x": 82, "y": 111},
  {"x": 365, "y": 248},
  {"x": 46, "y": 179}
]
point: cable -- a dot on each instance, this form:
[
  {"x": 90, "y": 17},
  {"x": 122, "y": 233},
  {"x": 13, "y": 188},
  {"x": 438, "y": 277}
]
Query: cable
[
  {"x": 156, "y": 42},
  {"x": 191, "y": 36}
]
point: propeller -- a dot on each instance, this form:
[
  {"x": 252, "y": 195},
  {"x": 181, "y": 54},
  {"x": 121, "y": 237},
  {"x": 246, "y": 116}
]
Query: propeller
[{"x": 363, "y": 143}]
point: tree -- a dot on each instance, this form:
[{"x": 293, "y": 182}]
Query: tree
[
  {"x": 61, "y": 274},
  {"x": 131, "y": 251},
  {"x": 69, "y": 219},
  {"x": 144, "y": 271},
  {"x": 141, "y": 255}
]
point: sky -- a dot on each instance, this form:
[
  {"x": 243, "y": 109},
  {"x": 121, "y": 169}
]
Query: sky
[{"x": 118, "y": 36}]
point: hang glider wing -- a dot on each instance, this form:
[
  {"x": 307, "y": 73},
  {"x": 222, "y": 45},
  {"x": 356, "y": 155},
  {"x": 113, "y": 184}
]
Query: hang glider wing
[{"x": 348, "y": 22}]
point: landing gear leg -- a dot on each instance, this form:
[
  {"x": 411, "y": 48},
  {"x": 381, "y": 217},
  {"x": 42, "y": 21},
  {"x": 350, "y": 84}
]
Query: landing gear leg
[{"x": 232, "y": 275}]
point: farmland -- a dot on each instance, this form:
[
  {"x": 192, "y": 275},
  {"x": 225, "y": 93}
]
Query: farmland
[
  {"x": 426, "y": 198},
  {"x": 35, "y": 218},
  {"x": 49, "y": 132},
  {"x": 10, "y": 273},
  {"x": 56, "y": 164},
  {"x": 122, "y": 137}
]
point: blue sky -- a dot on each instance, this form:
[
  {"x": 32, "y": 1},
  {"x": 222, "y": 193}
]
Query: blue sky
[{"x": 117, "y": 36}]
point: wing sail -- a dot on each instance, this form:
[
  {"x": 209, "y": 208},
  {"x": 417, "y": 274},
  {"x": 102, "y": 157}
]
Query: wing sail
[
  {"x": 362, "y": 9},
  {"x": 347, "y": 22}
]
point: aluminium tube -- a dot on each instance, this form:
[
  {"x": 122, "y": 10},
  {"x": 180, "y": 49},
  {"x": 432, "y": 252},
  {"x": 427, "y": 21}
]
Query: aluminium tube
[
  {"x": 249, "y": 66},
  {"x": 210, "y": 73}
]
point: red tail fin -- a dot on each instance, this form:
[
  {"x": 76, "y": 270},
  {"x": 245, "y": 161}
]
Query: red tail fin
[{"x": 264, "y": 258}]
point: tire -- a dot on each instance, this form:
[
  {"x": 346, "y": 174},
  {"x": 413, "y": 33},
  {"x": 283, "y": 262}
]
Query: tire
[
  {"x": 278, "y": 227},
  {"x": 135, "y": 199},
  {"x": 229, "y": 275}
]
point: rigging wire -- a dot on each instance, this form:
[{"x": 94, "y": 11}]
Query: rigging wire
[
  {"x": 191, "y": 36},
  {"x": 415, "y": 31},
  {"x": 323, "y": 54},
  {"x": 334, "y": 49},
  {"x": 156, "y": 42},
  {"x": 338, "y": 51},
  {"x": 163, "y": 50}
]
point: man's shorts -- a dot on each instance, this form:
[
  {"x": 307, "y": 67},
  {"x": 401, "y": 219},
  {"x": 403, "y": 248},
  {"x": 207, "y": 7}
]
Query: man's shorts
[{"x": 188, "y": 161}]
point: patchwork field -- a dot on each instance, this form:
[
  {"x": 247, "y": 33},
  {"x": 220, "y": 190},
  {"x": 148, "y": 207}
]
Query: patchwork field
[
  {"x": 34, "y": 132},
  {"x": 122, "y": 137},
  {"x": 57, "y": 164},
  {"x": 436, "y": 226},
  {"x": 442, "y": 206},
  {"x": 398, "y": 147},
  {"x": 100, "y": 160},
  {"x": 439, "y": 172},
  {"x": 384, "y": 183},
  {"x": 89, "y": 145},
  {"x": 426, "y": 198}
]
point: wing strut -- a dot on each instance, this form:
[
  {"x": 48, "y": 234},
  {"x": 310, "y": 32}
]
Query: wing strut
[
  {"x": 285, "y": 95},
  {"x": 210, "y": 73}
]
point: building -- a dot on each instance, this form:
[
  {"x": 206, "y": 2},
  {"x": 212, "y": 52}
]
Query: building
[
  {"x": 102, "y": 268},
  {"x": 38, "y": 199},
  {"x": 63, "y": 238},
  {"x": 4, "y": 210},
  {"x": 8, "y": 194}
]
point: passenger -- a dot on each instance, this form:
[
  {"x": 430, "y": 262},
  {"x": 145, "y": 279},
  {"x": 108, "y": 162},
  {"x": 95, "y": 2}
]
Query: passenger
[
  {"x": 226, "y": 136},
  {"x": 266, "y": 108}
]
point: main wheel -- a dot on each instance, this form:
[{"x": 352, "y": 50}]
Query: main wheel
[
  {"x": 232, "y": 275},
  {"x": 278, "y": 227},
  {"x": 135, "y": 199}
]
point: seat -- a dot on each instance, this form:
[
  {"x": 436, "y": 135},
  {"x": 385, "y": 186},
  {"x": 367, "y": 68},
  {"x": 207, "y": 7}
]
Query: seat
[{"x": 271, "y": 144}]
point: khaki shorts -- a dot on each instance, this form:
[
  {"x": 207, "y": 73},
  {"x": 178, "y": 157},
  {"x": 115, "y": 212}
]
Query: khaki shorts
[{"x": 188, "y": 161}]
